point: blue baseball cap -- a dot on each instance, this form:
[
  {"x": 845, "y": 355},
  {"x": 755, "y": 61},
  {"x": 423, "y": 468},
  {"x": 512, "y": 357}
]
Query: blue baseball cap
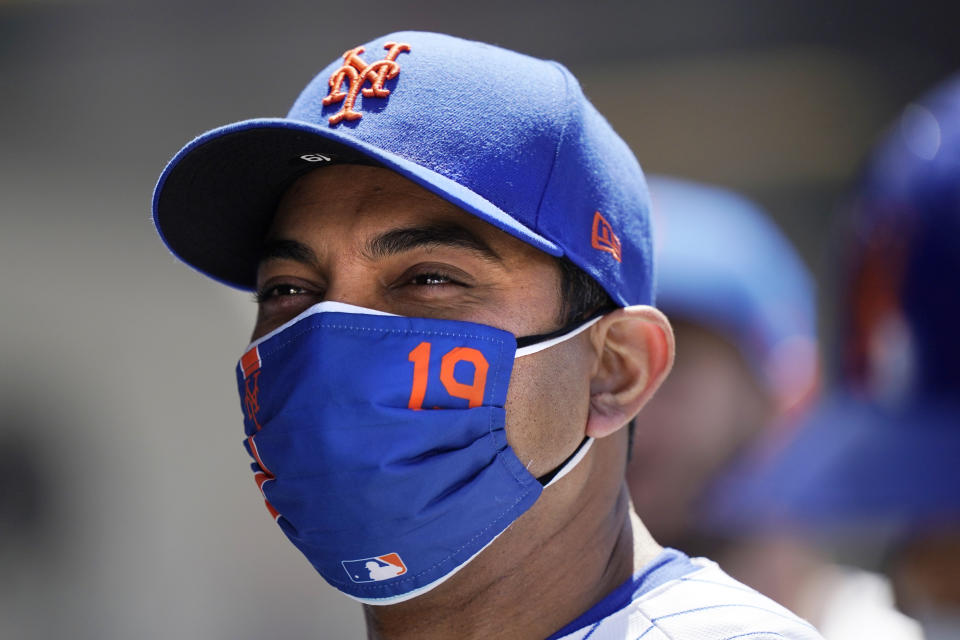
[
  {"x": 724, "y": 265},
  {"x": 881, "y": 452},
  {"x": 852, "y": 465},
  {"x": 508, "y": 138}
]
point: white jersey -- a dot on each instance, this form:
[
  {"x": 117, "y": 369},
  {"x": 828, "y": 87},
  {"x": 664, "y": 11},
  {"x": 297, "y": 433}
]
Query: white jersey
[{"x": 682, "y": 598}]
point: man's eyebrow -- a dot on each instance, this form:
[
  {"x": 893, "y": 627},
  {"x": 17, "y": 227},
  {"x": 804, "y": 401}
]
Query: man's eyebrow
[
  {"x": 285, "y": 249},
  {"x": 432, "y": 236}
]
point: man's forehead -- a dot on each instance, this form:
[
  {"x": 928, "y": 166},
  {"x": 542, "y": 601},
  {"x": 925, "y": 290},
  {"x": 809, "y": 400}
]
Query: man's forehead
[
  {"x": 352, "y": 183},
  {"x": 383, "y": 212},
  {"x": 383, "y": 244}
]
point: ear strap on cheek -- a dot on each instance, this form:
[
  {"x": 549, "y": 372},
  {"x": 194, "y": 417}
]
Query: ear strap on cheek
[{"x": 567, "y": 465}]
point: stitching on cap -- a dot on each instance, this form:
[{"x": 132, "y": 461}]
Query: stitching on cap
[{"x": 556, "y": 151}]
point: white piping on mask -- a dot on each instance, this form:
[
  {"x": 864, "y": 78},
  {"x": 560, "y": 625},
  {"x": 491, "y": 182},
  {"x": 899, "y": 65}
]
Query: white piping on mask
[
  {"x": 427, "y": 587},
  {"x": 332, "y": 306},
  {"x": 567, "y": 468},
  {"x": 328, "y": 306}
]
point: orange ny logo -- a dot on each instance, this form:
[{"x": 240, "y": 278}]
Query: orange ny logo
[
  {"x": 357, "y": 73},
  {"x": 251, "y": 403}
]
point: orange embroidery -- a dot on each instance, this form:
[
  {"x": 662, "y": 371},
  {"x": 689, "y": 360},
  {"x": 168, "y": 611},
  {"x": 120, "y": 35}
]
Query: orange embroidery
[
  {"x": 357, "y": 72},
  {"x": 251, "y": 401},
  {"x": 604, "y": 239},
  {"x": 250, "y": 362}
]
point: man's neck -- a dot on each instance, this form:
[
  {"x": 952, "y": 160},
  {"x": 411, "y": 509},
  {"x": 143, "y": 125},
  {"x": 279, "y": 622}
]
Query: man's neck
[{"x": 563, "y": 556}]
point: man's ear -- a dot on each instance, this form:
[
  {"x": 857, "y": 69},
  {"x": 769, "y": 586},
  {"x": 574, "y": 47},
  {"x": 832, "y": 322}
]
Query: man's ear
[{"x": 636, "y": 349}]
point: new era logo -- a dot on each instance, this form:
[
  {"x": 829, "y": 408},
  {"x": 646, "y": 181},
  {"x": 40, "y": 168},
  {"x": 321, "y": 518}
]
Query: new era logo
[
  {"x": 375, "y": 569},
  {"x": 603, "y": 238}
]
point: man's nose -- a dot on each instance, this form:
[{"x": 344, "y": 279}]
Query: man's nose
[{"x": 357, "y": 291}]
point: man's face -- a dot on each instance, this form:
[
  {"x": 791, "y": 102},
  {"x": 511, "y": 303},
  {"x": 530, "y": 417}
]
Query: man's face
[{"x": 367, "y": 236}]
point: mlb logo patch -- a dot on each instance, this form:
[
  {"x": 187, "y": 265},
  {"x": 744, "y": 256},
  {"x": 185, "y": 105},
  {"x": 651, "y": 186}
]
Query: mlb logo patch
[{"x": 375, "y": 569}]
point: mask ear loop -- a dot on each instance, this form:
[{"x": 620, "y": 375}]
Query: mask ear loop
[
  {"x": 532, "y": 344},
  {"x": 567, "y": 465}
]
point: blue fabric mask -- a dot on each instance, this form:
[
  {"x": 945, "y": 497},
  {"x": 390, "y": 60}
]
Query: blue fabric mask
[{"x": 379, "y": 445}]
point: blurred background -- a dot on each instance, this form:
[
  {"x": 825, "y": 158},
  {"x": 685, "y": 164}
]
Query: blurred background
[{"x": 128, "y": 510}]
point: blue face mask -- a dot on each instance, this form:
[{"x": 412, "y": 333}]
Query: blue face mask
[{"x": 379, "y": 445}]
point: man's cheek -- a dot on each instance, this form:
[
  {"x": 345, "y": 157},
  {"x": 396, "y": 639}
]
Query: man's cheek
[{"x": 546, "y": 409}]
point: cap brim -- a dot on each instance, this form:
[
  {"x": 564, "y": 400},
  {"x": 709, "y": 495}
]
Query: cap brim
[
  {"x": 853, "y": 464},
  {"x": 215, "y": 199}
]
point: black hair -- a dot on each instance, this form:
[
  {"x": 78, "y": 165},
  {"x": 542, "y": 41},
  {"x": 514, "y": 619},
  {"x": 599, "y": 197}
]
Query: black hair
[{"x": 580, "y": 295}]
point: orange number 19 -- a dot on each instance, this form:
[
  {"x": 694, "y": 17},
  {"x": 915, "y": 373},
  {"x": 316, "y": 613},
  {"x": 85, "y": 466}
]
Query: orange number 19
[{"x": 472, "y": 393}]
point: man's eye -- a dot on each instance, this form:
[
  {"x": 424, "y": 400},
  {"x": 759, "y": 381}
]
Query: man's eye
[
  {"x": 431, "y": 279},
  {"x": 279, "y": 291}
]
